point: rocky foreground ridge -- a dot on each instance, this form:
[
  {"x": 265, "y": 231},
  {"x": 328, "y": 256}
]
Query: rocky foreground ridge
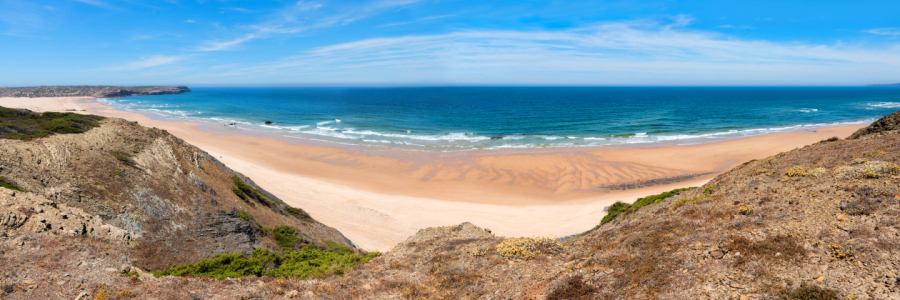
[
  {"x": 819, "y": 222},
  {"x": 99, "y": 91}
]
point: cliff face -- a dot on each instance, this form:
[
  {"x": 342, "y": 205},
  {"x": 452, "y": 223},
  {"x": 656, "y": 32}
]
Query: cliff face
[
  {"x": 90, "y": 91},
  {"x": 173, "y": 202}
]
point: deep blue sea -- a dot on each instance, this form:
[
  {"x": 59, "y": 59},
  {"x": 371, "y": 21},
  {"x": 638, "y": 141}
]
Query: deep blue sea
[{"x": 466, "y": 118}]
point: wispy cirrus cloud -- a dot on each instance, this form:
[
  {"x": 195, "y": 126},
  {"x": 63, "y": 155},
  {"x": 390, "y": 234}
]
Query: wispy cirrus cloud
[
  {"x": 224, "y": 45},
  {"x": 416, "y": 20},
  {"x": 884, "y": 31},
  {"x": 634, "y": 52},
  {"x": 145, "y": 63},
  {"x": 96, "y": 3},
  {"x": 304, "y": 16}
]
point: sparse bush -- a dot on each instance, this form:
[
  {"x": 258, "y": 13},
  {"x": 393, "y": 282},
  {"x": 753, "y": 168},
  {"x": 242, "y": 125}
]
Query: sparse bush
[
  {"x": 868, "y": 170},
  {"x": 619, "y": 207},
  {"x": 123, "y": 157},
  {"x": 641, "y": 202},
  {"x": 307, "y": 262},
  {"x": 614, "y": 211},
  {"x": 244, "y": 216},
  {"x": 246, "y": 192},
  {"x": 796, "y": 171},
  {"x": 779, "y": 247},
  {"x": 296, "y": 212},
  {"x": 689, "y": 200},
  {"x": 7, "y": 184},
  {"x": 28, "y": 125},
  {"x": 285, "y": 236},
  {"x": 573, "y": 288},
  {"x": 842, "y": 252},
  {"x": 808, "y": 292},
  {"x": 527, "y": 248}
]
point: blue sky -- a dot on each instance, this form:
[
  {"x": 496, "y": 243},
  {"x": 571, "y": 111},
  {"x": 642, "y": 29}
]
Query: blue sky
[{"x": 448, "y": 42}]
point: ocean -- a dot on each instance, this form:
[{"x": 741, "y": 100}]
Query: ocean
[{"x": 488, "y": 118}]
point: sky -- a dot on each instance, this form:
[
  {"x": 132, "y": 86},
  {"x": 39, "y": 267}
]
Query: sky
[{"x": 449, "y": 42}]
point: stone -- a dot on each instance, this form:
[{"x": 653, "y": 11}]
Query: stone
[
  {"x": 718, "y": 254},
  {"x": 820, "y": 279},
  {"x": 125, "y": 269},
  {"x": 292, "y": 294},
  {"x": 82, "y": 296}
]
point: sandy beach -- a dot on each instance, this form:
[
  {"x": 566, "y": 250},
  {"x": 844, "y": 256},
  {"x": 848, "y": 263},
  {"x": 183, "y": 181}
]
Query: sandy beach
[{"x": 378, "y": 198}]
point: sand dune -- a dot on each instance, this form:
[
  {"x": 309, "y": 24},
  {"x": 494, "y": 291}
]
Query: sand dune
[{"x": 377, "y": 198}]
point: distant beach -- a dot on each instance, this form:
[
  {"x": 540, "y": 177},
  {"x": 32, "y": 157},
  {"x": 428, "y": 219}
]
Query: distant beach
[
  {"x": 451, "y": 119},
  {"x": 380, "y": 196}
]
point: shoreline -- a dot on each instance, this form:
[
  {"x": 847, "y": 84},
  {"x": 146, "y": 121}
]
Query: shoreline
[{"x": 378, "y": 198}]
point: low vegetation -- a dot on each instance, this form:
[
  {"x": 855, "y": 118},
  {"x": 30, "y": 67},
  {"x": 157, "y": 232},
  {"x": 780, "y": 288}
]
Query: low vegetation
[
  {"x": 808, "y": 292},
  {"x": 307, "y": 262},
  {"x": 527, "y": 248},
  {"x": 28, "y": 125},
  {"x": 5, "y": 183},
  {"x": 619, "y": 207},
  {"x": 247, "y": 192},
  {"x": 244, "y": 216},
  {"x": 285, "y": 236}
]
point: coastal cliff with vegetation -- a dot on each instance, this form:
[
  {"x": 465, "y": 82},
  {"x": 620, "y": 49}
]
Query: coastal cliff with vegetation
[
  {"x": 117, "y": 210},
  {"x": 100, "y": 91}
]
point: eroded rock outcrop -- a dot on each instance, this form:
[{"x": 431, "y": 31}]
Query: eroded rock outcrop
[{"x": 37, "y": 214}]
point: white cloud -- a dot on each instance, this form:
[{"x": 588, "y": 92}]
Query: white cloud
[
  {"x": 217, "y": 46},
  {"x": 147, "y": 62},
  {"x": 288, "y": 20},
  {"x": 617, "y": 53},
  {"x": 96, "y": 3},
  {"x": 726, "y": 26},
  {"x": 139, "y": 37},
  {"x": 189, "y": 21},
  {"x": 884, "y": 31}
]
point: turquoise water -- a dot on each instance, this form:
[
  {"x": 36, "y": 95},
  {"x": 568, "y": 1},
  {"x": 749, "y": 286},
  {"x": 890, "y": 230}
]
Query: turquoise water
[{"x": 466, "y": 118}]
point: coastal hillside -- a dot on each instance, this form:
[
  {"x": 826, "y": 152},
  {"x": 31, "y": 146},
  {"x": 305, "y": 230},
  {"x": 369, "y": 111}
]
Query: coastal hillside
[
  {"x": 820, "y": 222},
  {"x": 90, "y": 91},
  {"x": 166, "y": 201},
  {"x": 84, "y": 216}
]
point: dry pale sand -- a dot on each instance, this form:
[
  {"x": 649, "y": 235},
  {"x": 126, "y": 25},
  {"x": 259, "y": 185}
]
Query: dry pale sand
[{"x": 377, "y": 198}]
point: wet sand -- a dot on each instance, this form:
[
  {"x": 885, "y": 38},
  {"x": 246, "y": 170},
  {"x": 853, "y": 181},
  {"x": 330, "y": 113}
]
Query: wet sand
[{"x": 378, "y": 198}]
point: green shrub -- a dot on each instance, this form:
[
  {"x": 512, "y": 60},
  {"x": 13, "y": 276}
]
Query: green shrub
[
  {"x": 296, "y": 212},
  {"x": 239, "y": 193},
  {"x": 614, "y": 211},
  {"x": 641, "y": 202},
  {"x": 244, "y": 216},
  {"x": 689, "y": 200},
  {"x": 28, "y": 125},
  {"x": 619, "y": 207},
  {"x": 285, "y": 236},
  {"x": 307, "y": 262},
  {"x": 247, "y": 192},
  {"x": 7, "y": 184},
  {"x": 123, "y": 157}
]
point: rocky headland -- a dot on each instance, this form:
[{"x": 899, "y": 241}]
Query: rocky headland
[{"x": 90, "y": 91}]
